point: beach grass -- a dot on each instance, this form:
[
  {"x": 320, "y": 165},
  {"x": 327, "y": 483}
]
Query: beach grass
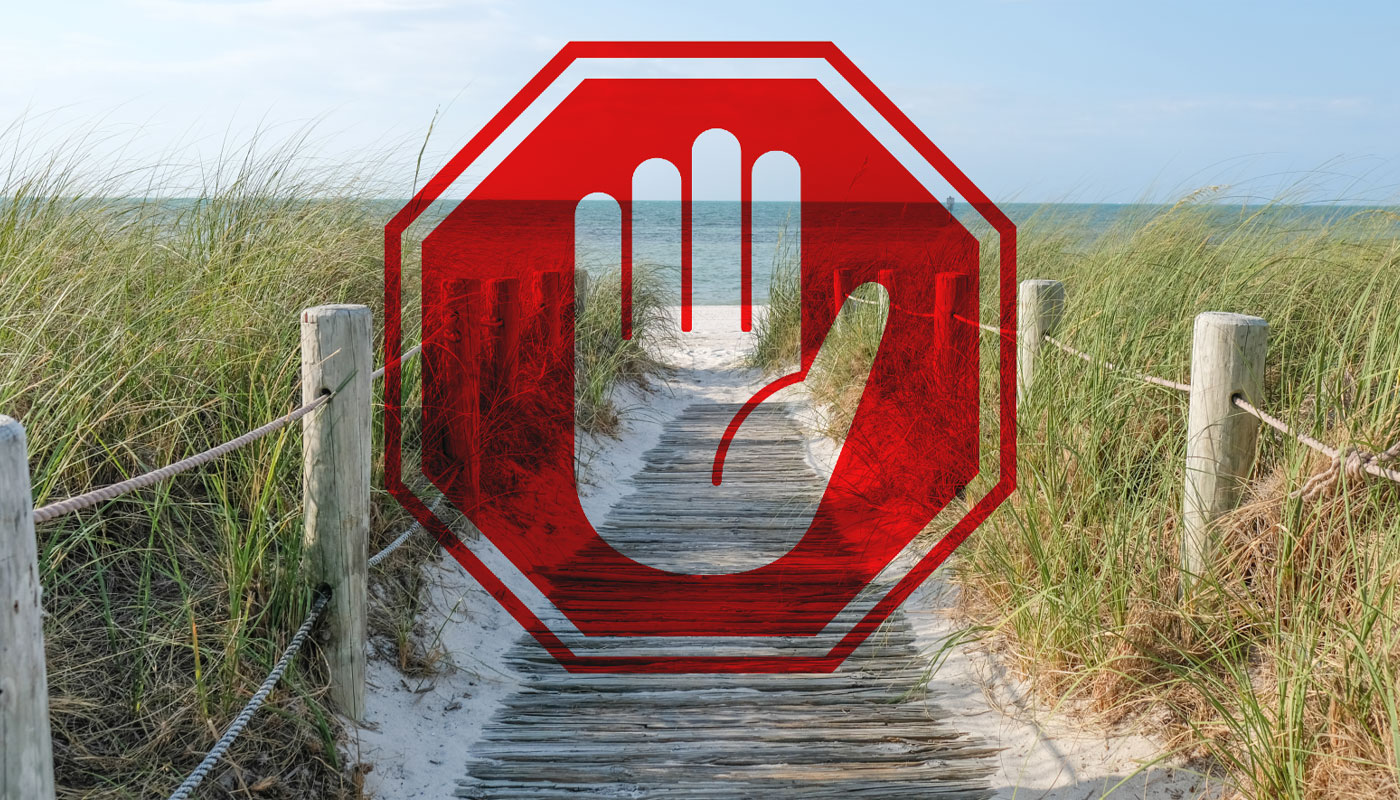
[
  {"x": 604, "y": 360},
  {"x": 136, "y": 331},
  {"x": 1283, "y": 670}
]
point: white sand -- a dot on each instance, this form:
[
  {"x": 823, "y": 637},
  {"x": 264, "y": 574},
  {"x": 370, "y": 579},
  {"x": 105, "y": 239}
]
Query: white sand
[
  {"x": 418, "y": 732},
  {"x": 1046, "y": 752}
]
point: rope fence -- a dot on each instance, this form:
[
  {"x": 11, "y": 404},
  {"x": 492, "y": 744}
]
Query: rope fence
[
  {"x": 984, "y": 326},
  {"x": 270, "y": 682},
  {"x": 1222, "y": 427},
  {"x": 1142, "y": 376},
  {"x": 102, "y": 495},
  {"x": 241, "y": 721},
  {"x": 406, "y": 356},
  {"x": 151, "y": 478},
  {"x": 15, "y": 490},
  {"x": 403, "y": 537},
  {"x": 1235, "y": 360},
  {"x": 318, "y": 608},
  {"x": 1351, "y": 461}
]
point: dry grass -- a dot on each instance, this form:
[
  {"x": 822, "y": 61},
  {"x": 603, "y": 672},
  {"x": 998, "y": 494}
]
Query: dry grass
[
  {"x": 604, "y": 360},
  {"x": 135, "y": 332},
  {"x": 1285, "y": 668}
]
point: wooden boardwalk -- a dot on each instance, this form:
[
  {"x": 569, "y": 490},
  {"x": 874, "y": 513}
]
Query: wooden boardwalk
[{"x": 866, "y": 731}]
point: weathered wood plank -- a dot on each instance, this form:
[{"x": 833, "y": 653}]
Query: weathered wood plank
[
  {"x": 337, "y": 358},
  {"x": 865, "y": 731},
  {"x": 26, "y": 749}
]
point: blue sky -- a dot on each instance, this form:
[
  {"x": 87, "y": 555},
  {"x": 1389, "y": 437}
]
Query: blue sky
[{"x": 1034, "y": 100}]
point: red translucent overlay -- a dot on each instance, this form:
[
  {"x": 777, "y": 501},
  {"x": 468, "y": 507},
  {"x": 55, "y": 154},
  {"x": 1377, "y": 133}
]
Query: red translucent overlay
[{"x": 498, "y": 343}]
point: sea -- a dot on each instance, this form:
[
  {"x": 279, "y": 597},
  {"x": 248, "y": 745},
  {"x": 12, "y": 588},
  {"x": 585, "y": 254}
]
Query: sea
[{"x": 777, "y": 234}]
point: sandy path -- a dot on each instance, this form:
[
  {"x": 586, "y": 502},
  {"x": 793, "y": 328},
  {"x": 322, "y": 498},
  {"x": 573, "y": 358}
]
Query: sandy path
[{"x": 417, "y": 732}]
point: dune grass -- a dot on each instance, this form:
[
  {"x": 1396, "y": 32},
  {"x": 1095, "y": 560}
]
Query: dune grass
[
  {"x": 139, "y": 331},
  {"x": 604, "y": 361},
  {"x": 1284, "y": 669}
]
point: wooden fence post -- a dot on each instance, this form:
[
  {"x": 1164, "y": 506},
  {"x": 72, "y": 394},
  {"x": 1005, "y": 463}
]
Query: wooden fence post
[
  {"x": 1039, "y": 306},
  {"x": 843, "y": 283},
  {"x": 337, "y": 357},
  {"x": 1227, "y": 360},
  {"x": 887, "y": 279},
  {"x": 580, "y": 293},
  {"x": 466, "y": 318},
  {"x": 948, "y": 288},
  {"x": 551, "y": 311},
  {"x": 505, "y": 307},
  {"x": 26, "y": 744}
]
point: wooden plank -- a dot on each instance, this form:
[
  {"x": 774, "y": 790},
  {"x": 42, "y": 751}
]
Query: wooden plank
[
  {"x": 466, "y": 315},
  {"x": 864, "y": 731},
  {"x": 26, "y": 745},
  {"x": 1227, "y": 360},
  {"x": 337, "y": 359},
  {"x": 1040, "y": 304},
  {"x": 506, "y": 321}
]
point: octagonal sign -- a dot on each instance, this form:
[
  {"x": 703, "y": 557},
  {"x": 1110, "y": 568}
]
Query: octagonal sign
[{"x": 497, "y": 423}]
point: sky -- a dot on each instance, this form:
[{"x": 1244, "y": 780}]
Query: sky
[{"x": 1035, "y": 101}]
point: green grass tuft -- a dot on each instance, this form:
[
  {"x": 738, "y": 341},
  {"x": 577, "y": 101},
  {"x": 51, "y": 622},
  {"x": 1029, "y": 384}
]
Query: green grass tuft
[
  {"x": 604, "y": 361},
  {"x": 137, "y": 331},
  {"x": 1286, "y": 667}
]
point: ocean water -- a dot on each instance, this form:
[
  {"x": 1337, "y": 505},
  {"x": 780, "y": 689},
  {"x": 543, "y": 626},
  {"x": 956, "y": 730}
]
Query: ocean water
[
  {"x": 777, "y": 234},
  {"x": 715, "y": 252}
]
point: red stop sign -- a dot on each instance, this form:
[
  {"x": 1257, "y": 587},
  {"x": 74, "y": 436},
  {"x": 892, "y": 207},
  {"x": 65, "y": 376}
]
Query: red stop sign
[{"x": 498, "y": 325}]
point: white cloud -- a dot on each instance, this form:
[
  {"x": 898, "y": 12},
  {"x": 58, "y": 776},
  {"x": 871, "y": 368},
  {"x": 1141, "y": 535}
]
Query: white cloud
[
  {"x": 1177, "y": 106},
  {"x": 258, "y": 11}
]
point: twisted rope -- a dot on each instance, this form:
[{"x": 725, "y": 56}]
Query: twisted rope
[
  {"x": 1351, "y": 461},
  {"x": 984, "y": 326},
  {"x": 407, "y": 355},
  {"x": 1142, "y": 376},
  {"x": 405, "y": 536},
  {"x": 254, "y": 703},
  {"x": 102, "y": 495},
  {"x": 927, "y": 315},
  {"x": 318, "y": 607},
  {"x": 866, "y": 302},
  {"x": 241, "y": 721}
]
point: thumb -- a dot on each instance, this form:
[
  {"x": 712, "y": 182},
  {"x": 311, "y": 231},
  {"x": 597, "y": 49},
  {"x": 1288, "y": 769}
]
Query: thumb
[{"x": 848, "y": 350}]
